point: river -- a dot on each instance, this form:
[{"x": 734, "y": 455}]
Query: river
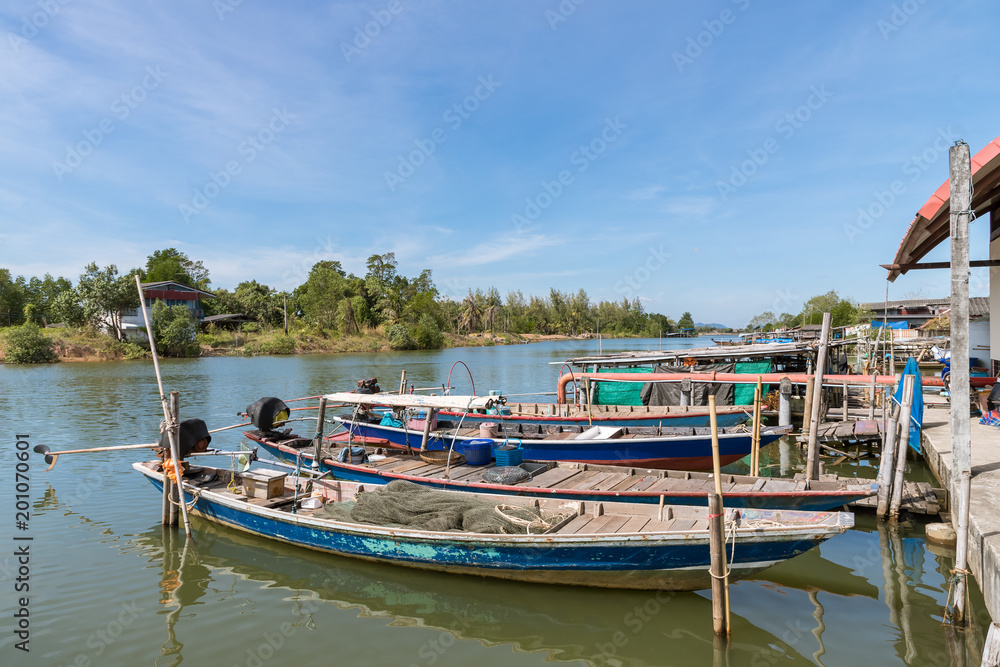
[{"x": 107, "y": 585}]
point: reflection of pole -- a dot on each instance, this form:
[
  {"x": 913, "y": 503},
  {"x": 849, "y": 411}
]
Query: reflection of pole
[
  {"x": 905, "y": 609},
  {"x": 820, "y": 627}
]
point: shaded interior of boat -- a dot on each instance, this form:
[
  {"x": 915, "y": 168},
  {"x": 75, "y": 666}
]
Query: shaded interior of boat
[
  {"x": 572, "y": 475},
  {"x": 574, "y": 517}
]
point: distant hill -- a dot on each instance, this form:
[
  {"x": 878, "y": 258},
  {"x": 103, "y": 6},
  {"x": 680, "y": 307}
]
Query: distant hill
[{"x": 710, "y": 325}]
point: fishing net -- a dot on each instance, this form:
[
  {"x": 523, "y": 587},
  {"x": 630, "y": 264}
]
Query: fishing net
[
  {"x": 405, "y": 504},
  {"x": 505, "y": 475}
]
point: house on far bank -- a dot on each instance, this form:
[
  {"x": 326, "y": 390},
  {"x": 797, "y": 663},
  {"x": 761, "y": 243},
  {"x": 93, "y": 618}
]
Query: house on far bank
[{"x": 174, "y": 294}]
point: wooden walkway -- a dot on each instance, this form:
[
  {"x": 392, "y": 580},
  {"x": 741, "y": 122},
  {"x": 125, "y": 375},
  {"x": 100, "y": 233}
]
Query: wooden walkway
[{"x": 859, "y": 430}]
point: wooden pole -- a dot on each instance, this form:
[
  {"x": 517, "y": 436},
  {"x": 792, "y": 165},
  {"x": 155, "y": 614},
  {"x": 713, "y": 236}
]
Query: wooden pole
[
  {"x": 402, "y": 383},
  {"x": 284, "y": 298},
  {"x": 318, "y": 440},
  {"x": 871, "y": 404},
  {"x": 844, "y": 415},
  {"x": 807, "y": 406},
  {"x": 167, "y": 493},
  {"x": 175, "y": 488},
  {"x": 168, "y": 418},
  {"x": 428, "y": 416},
  {"x": 901, "y": 444},
  {"x": 720, "y": 582},
  {"x": 991, "y": 652},
  {"x": 961, "y": 453},
  {"x": 785, "y": 402},
  {"x": 812, "y": 458},
  {"x": 886, "y": 466}
]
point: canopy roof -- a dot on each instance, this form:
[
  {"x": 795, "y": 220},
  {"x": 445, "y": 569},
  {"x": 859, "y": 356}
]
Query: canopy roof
[
  {"x": 415, "y": 400},
  {"x": 932, "y": 224}
]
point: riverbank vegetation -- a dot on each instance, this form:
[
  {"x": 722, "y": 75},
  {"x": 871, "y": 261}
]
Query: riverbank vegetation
[{"x": 331, "y": 311}]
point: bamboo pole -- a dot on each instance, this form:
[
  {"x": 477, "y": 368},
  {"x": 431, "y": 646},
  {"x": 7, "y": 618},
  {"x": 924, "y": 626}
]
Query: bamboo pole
[
  {"x": 755, "y": 448},
  {"x": 812, "y": 457},
  {"x": 845, "y": 406},
  {"x": 176, "y": 488},
  {"x": 168, "y": 418},
  {"x": 402, "y": 383},
  {"x": 901, "y": 444},
  {"x": 886, "y": 466},
  {"x": 720, "y": 582},
  {"x": 714, "y": 426},
  {"x": 807, "y": 405}
]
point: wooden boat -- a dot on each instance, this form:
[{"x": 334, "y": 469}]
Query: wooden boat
[
  {"x": 571, "y": 414},
  {"x": 609, "y": 545},
  {"x": 581, "y": 481}
]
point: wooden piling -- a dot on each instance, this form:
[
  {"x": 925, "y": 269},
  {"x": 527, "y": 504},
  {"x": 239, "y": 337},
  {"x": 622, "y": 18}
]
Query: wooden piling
[
  {"x": 402, "y": 383},
  {"x": 991, "y": 651},
  {"x": 720, "y": 581},
  {"x": 887, "y": 466},
  {"x": 902, "y": 443},
  {"x": 807, "y": 407},
  {"x": 755, "y": 449},
  {"x": 812, "y": 456},
  {"x": 175, "y": 494},
  {"x": 318, "y": 438},
  {"x": 961, "y": 452},
  {"x": 844, "y": 406},
  {"x": 871, "y": 403},
  {"x": 165, "y": 513}
]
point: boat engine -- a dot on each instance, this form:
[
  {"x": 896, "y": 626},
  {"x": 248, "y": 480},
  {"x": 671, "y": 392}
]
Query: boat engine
[{"x": 266, "y": 412}]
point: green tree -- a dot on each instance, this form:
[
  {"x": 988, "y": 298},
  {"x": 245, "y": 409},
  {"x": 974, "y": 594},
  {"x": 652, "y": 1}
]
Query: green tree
[
  {"x": 171, "y": 264},
  {"x": 427, "y": 334},
  {"x": 762, "y": 321},
  {"x": 174, "y": 330},
  {"x": 686, "y": 321},
  {"x": 379, "y": 280},
  {"x": 66, "y": 308},
  {"x": 27, "y": 344},
  {"x": 11, "y": 298},
  {"x": 106, "y": 295}
]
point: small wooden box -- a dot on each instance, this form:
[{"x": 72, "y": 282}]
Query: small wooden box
[{"x": 264, "y": 484}]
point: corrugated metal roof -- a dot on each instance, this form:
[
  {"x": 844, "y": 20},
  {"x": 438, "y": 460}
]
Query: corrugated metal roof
[{"x": 978, "y": 305}]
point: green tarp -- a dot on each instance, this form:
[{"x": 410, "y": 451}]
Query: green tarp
[
  {"x": 619, "y": 393},
  {"x": 744, "y": 392}
]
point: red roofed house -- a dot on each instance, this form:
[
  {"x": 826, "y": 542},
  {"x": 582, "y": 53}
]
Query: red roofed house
[{"x": 173, "y": 293}]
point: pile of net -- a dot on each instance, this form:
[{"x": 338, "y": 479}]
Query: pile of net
[{"x": 407, "y": 505}]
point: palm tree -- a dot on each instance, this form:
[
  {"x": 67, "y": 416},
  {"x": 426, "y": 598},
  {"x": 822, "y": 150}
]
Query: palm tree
[{"x": 472, "y": 314}]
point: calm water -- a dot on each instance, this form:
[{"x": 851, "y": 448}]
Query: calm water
[{"x": 110, "y": 587}]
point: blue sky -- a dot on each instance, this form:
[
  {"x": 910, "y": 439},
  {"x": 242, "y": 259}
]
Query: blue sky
[{"x": 708, "y": 157}]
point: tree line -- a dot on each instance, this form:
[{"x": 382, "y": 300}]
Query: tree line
[{"x": 411, "y": 311}]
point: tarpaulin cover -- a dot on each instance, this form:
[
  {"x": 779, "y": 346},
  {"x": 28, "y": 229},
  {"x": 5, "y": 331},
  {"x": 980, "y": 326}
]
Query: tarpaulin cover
[
  {"x": 619, "y": 393},
  {"x": 743, "y": 393},
  {"x": 669, "y": 393},
  {"x": 876, "y": 324},
  {"x": 917, "y": 412}
]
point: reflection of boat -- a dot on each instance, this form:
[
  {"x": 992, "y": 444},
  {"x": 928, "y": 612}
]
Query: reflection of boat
[
  {"x": 616, "y": 546},
  {"x": 563, "y": 623},
  {"x": 574, "y": 481}
]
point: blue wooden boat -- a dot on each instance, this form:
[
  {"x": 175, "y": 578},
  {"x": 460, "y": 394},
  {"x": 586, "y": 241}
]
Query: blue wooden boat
[
  {"x": 602, "y": 544},
  {"x": 550, "y": 414},
  {"x": 580, "y": 481}
]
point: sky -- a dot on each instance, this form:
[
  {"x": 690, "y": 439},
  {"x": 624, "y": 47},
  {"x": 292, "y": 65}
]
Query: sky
[{"x": 711, "y": 157}]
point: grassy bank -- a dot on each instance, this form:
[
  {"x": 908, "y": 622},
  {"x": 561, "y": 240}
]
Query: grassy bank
[{"x": 86, "y": 344}]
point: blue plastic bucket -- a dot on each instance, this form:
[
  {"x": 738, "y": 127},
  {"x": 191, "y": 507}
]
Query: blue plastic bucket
[
  {"x": 477, "y": 452},
  {"x": 508, "y": 455}
]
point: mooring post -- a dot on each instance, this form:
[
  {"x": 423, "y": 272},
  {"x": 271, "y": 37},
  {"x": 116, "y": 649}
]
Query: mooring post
[
  {"x": 871, "y": 403},
  {"x": 175, "y": 489},
  {"x": 720, "y": 582},
  {"x": 785, "y": 402},
  {"x": 845, "y": 415},
  {"x": 807, "y": 406},
  {"x": 886, "y": 466},
  {"x": 318, "y": 440},
  {"x": 755, "y": 452},
  {"x": 991, "y": 651},
  {"x": 686, "y": 392},
  {"x": 901, "y": 444},
  {"x": 812, "y": 457},
  {"x": 961, "y": 452}
]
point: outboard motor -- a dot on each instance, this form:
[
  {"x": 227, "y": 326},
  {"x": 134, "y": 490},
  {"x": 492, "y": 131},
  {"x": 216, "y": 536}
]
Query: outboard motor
[
  {"x": 369, "y": 386},
  {"x": 267, "y": 412},
  {"x": 194, "y": 437}
]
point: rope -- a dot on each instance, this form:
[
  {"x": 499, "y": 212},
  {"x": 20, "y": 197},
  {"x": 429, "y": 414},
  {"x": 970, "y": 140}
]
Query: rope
[
  {"x": 732, "y": 555},
  {"x": 518, "y": 521},
  {"x": 194, "y": 499}
]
